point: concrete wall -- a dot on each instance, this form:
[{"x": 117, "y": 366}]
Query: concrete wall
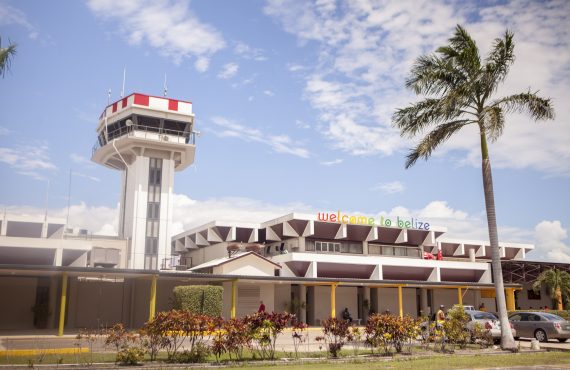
[
  {"x": 208, "y": 253},
  {"x": 347, "y": 297},
  {"x": 99, "y": 304},
  {"x": 18, "y": 296},
  {"x": 281, "y": 297},
  {"x": 388, "y": 300},
  {"x": 322, "y": 304},
  {"x": 524, "y": 302},
  {"x": 248, "y": 265}
]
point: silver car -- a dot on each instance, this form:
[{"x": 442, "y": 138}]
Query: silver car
[
  {"x": 487, "y": 321},
  {"x": 540, "y": 325}
]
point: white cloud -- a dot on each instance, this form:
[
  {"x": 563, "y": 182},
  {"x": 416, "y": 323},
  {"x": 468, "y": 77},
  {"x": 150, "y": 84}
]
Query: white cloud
[
  {"x": 79, "y": 159},
  {"x": 366, "y": 49},
  {"x": 10, "y": 15},
  {"x": 85, "y": 176},
  {"x": 268, "y": 92},
  {"x": 4, "y": 131},
  {"x": 27, "y": 160},
  {"x": 278, "y": 143},
  {"x": 550, "y": 245},
  {"x": 228, "y": 71},
  {"x": 295, "y": 67},
  {"x": 202, "y": 64},
  {"x": 332, "y": 163},
  {"x": 390, "y": 187},
  {"x": 245, "y": 51},
  {"x": 169, "y": 26},
  {"x": 302, "y": 124}
]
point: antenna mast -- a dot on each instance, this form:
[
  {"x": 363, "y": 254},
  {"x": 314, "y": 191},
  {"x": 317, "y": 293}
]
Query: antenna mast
[
  {"x": 165, "y": 86},
  {"x": 124, "y": 78}
]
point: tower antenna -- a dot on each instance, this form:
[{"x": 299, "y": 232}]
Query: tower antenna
[
  {"x": 165, "y": 86},
  {"x": 124, "y": 78}
]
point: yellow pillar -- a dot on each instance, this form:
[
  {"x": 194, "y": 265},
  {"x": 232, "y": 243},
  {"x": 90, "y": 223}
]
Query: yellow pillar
[
  {"x": 234, "y": 296},
  {"x": 400, "y": 306},
  {"x": 63, "y": 301},
  {"x": 510, "y": 295},
  {"x": 152, "y": 304},
  {"x": 459, "y": 297},
  {"x": 333, "y": 300}
]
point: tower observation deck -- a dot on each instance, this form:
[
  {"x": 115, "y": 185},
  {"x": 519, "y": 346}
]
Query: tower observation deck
[{"x": 147, "y": 138}]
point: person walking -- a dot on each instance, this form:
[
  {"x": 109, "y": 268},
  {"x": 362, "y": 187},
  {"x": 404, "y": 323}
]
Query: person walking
[{"x": 261, "y": 307}]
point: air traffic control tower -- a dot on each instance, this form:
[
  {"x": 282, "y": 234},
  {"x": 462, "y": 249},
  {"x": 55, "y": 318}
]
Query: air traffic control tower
[{"x": 147, "y": 138}]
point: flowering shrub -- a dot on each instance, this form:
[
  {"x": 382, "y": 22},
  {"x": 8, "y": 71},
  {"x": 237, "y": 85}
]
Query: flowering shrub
[
  {"x": 265, "y": 327},
  {"x": 391, "y": 331},
  {"x": 128, "y": 345},
  {"x": 336, "y": 334}
]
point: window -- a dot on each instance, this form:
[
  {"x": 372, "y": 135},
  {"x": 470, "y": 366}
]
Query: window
[
  {"x": 533, "y": 295},
  {"x": 153, "y": 213}
]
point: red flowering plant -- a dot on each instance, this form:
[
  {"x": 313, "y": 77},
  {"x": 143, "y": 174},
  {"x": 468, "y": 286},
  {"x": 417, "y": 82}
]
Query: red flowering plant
[
  {"x": 336, "y": 334},
  {"x": 299, "y": 335}
]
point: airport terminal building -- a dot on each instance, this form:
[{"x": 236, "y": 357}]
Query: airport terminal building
[{"x": 313, "y": 265}]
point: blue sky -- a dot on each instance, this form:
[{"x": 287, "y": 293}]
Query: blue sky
[{"x": 294, "y": 101}]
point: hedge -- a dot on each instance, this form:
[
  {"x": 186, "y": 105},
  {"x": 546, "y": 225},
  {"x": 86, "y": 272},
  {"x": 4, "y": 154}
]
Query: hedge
[
  {"x": 199, "y": 299},
  {"x": 565, "y": 314}
]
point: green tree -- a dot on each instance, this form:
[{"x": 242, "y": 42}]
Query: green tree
[
  {"x": 458, "y": 88},
  {"x": 557, "y": 283},
  {"x": 6, "y": 55}
]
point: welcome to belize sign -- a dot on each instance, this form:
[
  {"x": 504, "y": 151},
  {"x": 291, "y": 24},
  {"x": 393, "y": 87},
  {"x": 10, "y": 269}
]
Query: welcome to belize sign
[{"x": 401, "y": 222}]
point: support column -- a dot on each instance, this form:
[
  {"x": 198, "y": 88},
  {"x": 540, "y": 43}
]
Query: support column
[
  {"x": 234, "y": 296},
  {"x": 510, "y": 295},
  {"x": 152, "y": 303},
  {"x": 58, "y": 257},
  {"x": 424, "y": 302},
  {"x": 459, "y": 297},
  {"x": 63, "y": 300},
  {"x": 333, "y": 300},
  {"x": 303, "y": 299},
  {"x": 400, "y": 306},
  {"x": 366, "y": 296}
]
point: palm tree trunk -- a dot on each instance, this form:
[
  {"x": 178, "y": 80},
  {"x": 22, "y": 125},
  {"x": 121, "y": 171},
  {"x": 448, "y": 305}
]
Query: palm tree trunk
[
  {"x": 507, "y": 340},
  {"x": 559, "y": 299}
]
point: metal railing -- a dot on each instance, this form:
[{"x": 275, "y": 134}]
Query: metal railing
[{"x": 148, "y": 132}]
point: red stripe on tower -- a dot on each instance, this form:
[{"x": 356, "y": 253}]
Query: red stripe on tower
[
  {"x": 114, "y": 107},
  {"x": 141, "y": 99},
  {"x": 172, "y": 104},
  {"x": 124, "y": 103}
]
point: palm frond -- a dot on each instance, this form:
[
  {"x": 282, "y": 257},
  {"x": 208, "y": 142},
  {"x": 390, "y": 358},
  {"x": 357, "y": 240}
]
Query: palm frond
[
  {"x": 6, "y": 55},
  {"x": 431, "y": 75},
  {"x": 432, "y": 140},
  {"x": 463, "y": 52},
  {"x": 538, "y": 108},
  {"x": 494, "y": 123},
  {"x": 501, "y": 57}
]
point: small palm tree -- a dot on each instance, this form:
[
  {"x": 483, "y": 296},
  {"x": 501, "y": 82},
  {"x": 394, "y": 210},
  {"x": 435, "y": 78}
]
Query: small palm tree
[
  {"x": 459, "y": 88},
  {"x": 6, "y": 55},
  {"x": 557, "y": 283}
]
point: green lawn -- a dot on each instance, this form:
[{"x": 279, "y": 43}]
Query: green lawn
[{"x": 438, "y": 362}]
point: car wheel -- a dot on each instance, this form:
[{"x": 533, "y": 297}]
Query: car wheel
[
  {"x": 540, "y": 335},
  {"x": 562, "y": 340}
]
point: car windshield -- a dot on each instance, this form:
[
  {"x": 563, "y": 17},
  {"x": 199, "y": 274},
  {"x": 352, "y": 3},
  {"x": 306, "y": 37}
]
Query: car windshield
[
  {"x": 484, "y": 316},
  {"x": 551, "y": 317}
]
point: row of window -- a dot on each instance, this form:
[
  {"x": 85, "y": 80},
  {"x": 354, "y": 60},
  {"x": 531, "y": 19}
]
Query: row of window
[
  {"x": 356, "y": 248},
  {"x": 153, "y": 213}
]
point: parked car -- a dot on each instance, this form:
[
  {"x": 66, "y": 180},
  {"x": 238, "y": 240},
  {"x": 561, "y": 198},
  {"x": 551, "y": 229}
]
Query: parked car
[
  {"x": 466, "y": 307},
  {"x": 540, "y": 325},
  {"x": 488, "y": 321}
]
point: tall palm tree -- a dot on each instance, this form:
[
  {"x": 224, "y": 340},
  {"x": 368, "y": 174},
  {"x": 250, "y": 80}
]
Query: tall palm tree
[
  {"x": 557, "y": 283},
  {"x": 6, "y": 55},
  {"x": 458, "y": 87}
]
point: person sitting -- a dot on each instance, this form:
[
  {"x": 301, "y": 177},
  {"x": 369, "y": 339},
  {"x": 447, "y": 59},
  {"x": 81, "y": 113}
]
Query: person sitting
[
  {"x": 346, "y": 315},
  {"x": 482, "y": 307}
]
